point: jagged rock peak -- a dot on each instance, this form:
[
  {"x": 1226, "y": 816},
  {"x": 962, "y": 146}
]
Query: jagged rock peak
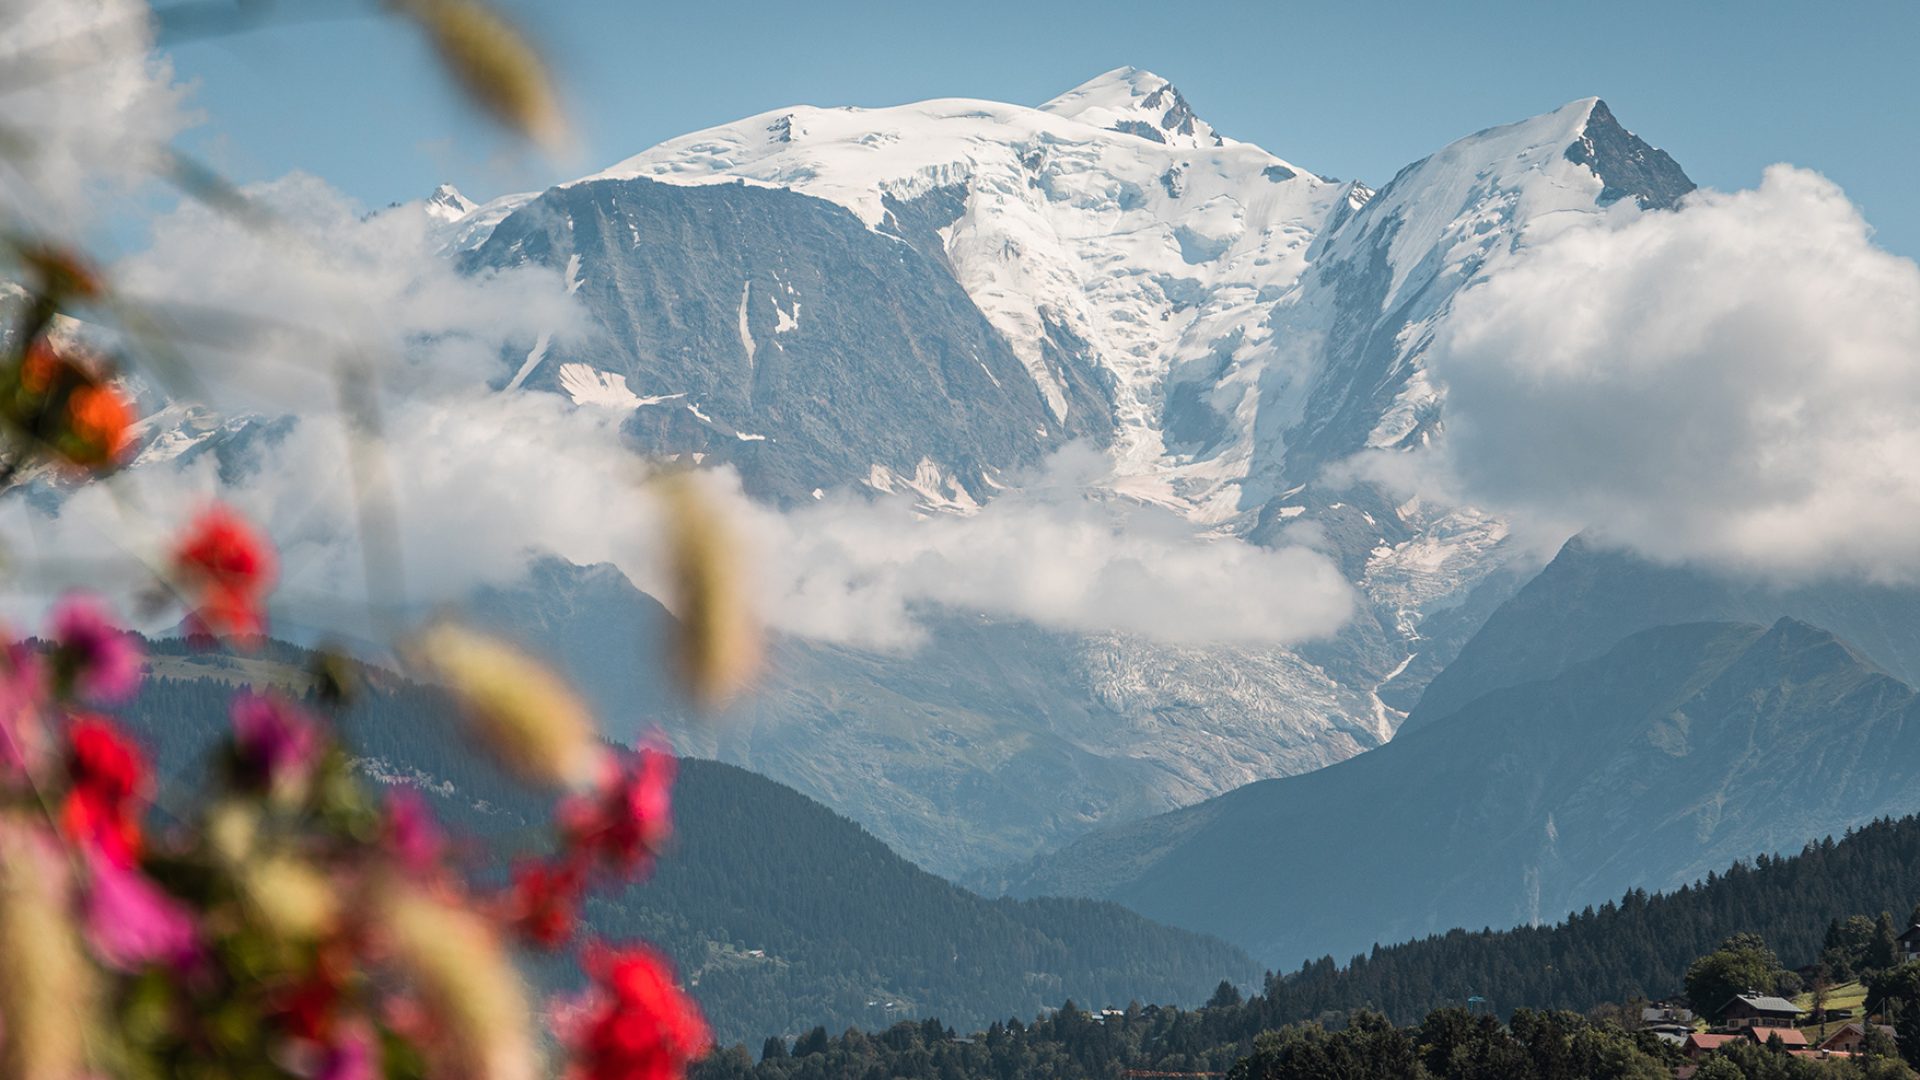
[{"x": 1626, "y": 164}]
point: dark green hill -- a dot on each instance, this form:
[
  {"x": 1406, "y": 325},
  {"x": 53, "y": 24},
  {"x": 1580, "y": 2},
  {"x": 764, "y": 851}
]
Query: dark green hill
[
  {"x": 1638, "y": 947},
  {"x": 784, "y": 914}
]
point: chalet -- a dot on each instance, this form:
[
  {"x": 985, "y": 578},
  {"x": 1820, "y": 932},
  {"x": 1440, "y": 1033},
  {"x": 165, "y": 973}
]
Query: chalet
[
  {"x": 1700, "y": 1044},
  {"x": 1758, "y": 1010},
  {"x": 1790, "y": 1038},
  {"x": 1850, "y": 1037},
  {"x": 1910, "y": 943}
]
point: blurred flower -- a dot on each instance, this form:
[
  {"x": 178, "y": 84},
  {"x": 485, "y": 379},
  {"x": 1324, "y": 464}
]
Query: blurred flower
[
  {"x": 545, "y": 900},
  {"x": 532, "y": 719},
  {"x": 60, "y": 273},
  {"x": 351, "y": 1055},
  {"x": 65, "y": 408},
  {"x": 23, "y": 735},
  {"x": 644, "y": 1027},
  {"x": 99, "y": 427},
  {"x": 629, "y": 817},
  {"x": 93, "y": 656},
  {"x": 411, "y": 835},
  {"x": 718, "y": 638},
  {"x": 290, "y": 897},
  {"x": 46, "y": 984},
  {"x": 493, "y": 63},
  {"x": 467, "y": 986},
  {"x": 130, "y": 923},
  {"x": 227, "y": 568},
  {"x": 106, "y": 774},
  {"x": 276, "y": 745}
]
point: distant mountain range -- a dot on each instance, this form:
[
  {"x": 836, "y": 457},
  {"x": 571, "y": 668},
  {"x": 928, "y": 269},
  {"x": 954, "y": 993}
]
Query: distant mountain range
[
  {"x": 1675, "y": 752},
  {"x": 781, "y": 914},
  {"x": 925, "y": 301}
]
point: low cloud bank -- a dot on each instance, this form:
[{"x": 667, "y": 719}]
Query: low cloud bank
[{"x": 481, "y": 478}]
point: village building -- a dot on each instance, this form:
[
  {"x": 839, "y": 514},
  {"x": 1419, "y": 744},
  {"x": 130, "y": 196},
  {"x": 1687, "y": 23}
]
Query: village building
[
  {"x": 1851, "y": 1037},
  {"x": 1758, "y": 1010},
  {"x": 1790, "y": 1038},
  {"x": 1910, "y": 943},
  {"x": 1700, "y": 1044}
]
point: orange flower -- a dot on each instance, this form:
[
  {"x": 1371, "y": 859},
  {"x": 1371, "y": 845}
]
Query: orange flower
[
  {"x": 100, "y": 423},
  {"x": 67, "y": 409}
]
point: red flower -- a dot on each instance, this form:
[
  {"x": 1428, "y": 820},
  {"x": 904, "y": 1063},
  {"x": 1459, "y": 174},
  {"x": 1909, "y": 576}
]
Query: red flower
[
  {"x": 228, "y": 567},
  {"x": 106, "y": 773},
  {"x": 628, "y": 819},
  {"x": 641, "y": 1025},
  {"x": 545, "y": 902}
]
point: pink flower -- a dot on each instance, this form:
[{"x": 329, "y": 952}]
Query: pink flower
[
  {"x": 93, "y": 657},
  {"x": 629, "y": 818},
  {"x": 23, "y": 735},
  {"x": 544, "y": 903},
  {"x": 276, "y": 745},
  {"x": 131, "y": 923},
  {"x": 411, "y": 835},
  {"x": 351, "y": 1055}
]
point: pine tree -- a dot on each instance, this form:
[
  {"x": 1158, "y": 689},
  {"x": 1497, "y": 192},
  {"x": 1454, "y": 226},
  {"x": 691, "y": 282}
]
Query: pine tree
[
  {"x": 1885, "y": 950},
  {"x": 1225, "y": 996}
]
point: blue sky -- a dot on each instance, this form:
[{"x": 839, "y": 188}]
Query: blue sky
[{"x": 1345, "y": 90}]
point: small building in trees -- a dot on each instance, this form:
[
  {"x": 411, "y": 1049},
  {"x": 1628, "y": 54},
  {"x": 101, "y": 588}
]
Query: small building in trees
[
  {"x": 1910, "y": 943},
  {"x": 1758, "y": 1010},
  {"x": 1700, "y": 1044},
  {"x": 1790, "y": 1038},
  {"x": 1851, "y": 1037}
]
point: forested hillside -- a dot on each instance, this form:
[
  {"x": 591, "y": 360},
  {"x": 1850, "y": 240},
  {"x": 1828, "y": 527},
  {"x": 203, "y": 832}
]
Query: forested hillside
[
  {"x": 1637, "y": 947},
  {"x": 781, "y": 913},
  {"x": 1541, "y": 977}
]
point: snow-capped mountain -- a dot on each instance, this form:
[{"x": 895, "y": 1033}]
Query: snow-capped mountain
[{"x": 929, "y": 298}]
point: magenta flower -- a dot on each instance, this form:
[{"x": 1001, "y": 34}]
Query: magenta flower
[
  {"x": 351, "y": 1056},
  {"x": 131, "y": 923},
  {"x": 93, "y": 656},
  {"x": 275, "y": 743},
  {"x": 412, "y": 836},
  {"x": 23, "y": 734}
]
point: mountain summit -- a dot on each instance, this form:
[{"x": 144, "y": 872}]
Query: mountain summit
[
  {"x": 927, "y": 300},
  {"x": 1136, "y": 102}
]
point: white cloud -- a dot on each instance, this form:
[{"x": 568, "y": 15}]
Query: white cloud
[
  {"x": 88, "y": 126},
  {"x": 1736, "y": 382},
  {"x": 1054, "y": 552},
  {"x": 481, "y": 478}
]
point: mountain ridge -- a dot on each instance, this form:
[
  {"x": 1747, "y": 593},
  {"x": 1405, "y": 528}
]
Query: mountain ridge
[{"x": 1678, "y": 750}]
